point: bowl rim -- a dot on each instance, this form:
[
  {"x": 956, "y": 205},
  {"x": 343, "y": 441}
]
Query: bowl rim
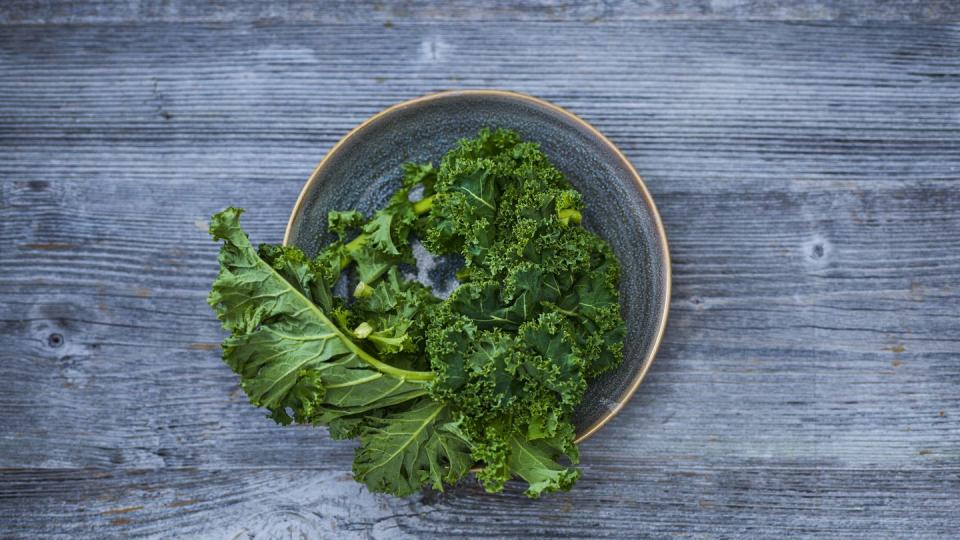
[{"x": 645, "y": 193}]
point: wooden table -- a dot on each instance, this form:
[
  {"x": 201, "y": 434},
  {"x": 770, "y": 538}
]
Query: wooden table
[{"x": 805, "y": 159}]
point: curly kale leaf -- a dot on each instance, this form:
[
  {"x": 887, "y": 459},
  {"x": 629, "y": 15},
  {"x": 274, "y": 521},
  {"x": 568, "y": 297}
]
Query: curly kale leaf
[
  {"x": 384, "y": 240},
  {"x": 415, "y": 174},
  {"x": 401, "y": 452},
  {"x": 537, "y": 315},
  {"x": 393, "y": 314},
  {"x": 341, "y": 223},
  {"x": 480, "y": 302},
  {"x": 506, "y": 453},
  {"x": 463, "y": 211},
  {"x": 537, "y": 462}
]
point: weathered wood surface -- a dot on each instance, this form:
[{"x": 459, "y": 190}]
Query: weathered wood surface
[
  {"x": 399, "y": 11},
  {"x": 807, "y": 175}
]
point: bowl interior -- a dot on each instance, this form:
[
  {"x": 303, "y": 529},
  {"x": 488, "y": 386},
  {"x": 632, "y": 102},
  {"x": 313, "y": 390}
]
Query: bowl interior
[{"x": 363, "y": 170}]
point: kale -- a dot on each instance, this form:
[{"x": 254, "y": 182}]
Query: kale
[{"x": 488, "y": 377}]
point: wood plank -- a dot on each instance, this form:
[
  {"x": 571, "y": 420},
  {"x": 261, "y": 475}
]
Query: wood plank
[
  {"x": 807, "y": 176},
  {"x": 320, "y": 502},
  {"x": 159, "y": 98},
  {"x": 388, "y": 13}
]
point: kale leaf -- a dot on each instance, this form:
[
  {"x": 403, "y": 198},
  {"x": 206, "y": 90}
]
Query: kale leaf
[{"x": 488, "y": 377}]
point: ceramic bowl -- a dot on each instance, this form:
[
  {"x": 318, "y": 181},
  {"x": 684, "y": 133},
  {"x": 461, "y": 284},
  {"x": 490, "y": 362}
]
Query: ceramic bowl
[{"x": 363, "y": 169}]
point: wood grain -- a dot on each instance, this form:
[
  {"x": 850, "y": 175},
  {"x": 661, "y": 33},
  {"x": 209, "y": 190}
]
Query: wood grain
[
  {"x": 389, "y": 13},
  {"x": 325, "y": 503},
  {"x": 807, "y": 176}
]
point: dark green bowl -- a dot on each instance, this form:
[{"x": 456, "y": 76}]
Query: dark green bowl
[{"x": 363, "y": 169}]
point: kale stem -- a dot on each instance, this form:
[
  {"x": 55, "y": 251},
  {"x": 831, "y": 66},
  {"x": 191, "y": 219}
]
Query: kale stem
[
  {"x": 383, "y": 367},
  {"x": 352, "y": 246},
  {"x": 569, "y": 214},
  {"x": 356, "y": 243},
  {"x": 424, "y": 205}
]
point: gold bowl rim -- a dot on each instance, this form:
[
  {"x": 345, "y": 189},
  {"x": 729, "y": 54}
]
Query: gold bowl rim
[{"x": 658, "y": 223}]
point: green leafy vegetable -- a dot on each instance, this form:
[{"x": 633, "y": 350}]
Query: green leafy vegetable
[
  {"x": 432, "y": 387},
  {"x": 403, "y": 451}
]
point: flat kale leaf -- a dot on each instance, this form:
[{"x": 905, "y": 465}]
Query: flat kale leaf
[{"x": 291, "y": 358}]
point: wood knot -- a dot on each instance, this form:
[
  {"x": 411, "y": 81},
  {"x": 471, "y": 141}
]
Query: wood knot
[
  {"x": 55, "y": 340},
  {"x": 817, "y": 251}
]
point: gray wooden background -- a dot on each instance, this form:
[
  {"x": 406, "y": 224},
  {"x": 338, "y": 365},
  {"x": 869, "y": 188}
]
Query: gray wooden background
[{"x": 805, "y": 157}]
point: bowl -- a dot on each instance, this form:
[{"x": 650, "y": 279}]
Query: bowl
[{"x": 363, "y": 169}]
